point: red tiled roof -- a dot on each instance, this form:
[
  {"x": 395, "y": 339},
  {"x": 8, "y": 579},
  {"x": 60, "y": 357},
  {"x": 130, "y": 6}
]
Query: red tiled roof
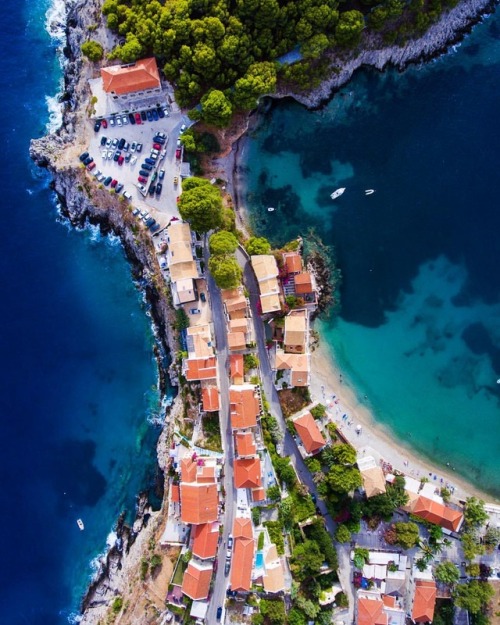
[
  {"x": 371, "y": 612},
  {"x": 210, "y": 398},
  {"x": 205, "y": 540},
  {"x": 437, "y": 513},
  {"x": 196, "y": 582},
  {"x": 244, "y": 407},
  {"x": 309, "y": 433},
  {"x": 138, "y": 76},
  {"x": 236, "y": 341},
  {"x": 175, "y": 493},
  {"x": 201, "y": 369},
  {"x": 424, "y": 601},
  {"x": 258, "y": 494},
  {"x": 303, "y": 283},
  {"x": 244, "y": 546},
  {"x": 293, "y": 262},
  {"x": 247, "y": 473},
  {"x": 245, "y": 444},
  {"x": 236, "y": 365},
  {"x": 199, "y": 503},
  {"x": 189, "y": 469}
]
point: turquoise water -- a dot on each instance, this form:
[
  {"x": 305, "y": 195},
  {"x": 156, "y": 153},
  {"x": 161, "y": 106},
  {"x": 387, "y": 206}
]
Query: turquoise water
[
  {"x": 259, "y": 560},
  {"x": 419, "y": 326}
]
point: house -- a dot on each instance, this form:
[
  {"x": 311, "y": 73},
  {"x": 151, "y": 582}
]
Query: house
[
  {"x": 247, "y": 473},
  {"x": 236, "y": 369},
  {"x": 293, "y": 263},
  {"x": 181, "y": 263},
  {"x": 266, "y": 271},
  {"x": 236, "y": 341},
  {"x": 245, "y": 444},
  {"x": 244, "y": 404},
  {"x": 273, "y": 578},
  {"x": 295, "y": 341},
  {"x": 375, "y": 608},
  {"x": 424, "y": 601},
  {"x": 235, "y": 303},
  {"x": 243, "y": 555},
  {"x": 295, "y": 367},
  {"x": 198, "y": 490},
  {"x": 435, "y": 512},
  {"x": 126, "y": 83},
  {"x": 210, "y": 398},
  {"x": 197, "y": 578},
  {"x": 309, "y": 433},
  {"x": 372, "y": 476},
  {"x": 200, "y": 369},
  {"x": 304, "y": 285},
  {"x": 200, "y": 363},
  {"x": 205, "y": 540}
]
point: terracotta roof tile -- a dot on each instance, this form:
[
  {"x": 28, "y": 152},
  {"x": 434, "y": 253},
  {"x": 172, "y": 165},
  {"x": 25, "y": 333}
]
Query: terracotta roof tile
[
  {"x": 371, "y": 612},
  {"x": 293, "y": 262},
  {"x": 437, "y": 513},
  {"x": 424, "y": 601},
  {"x": 189, "y": 469},
  {"x": 121, "y": 79},
  {"x": 242, "y": 528},
  {"x": 236, "y": 341},
  {"x": 258, "y": 494},
  {"x": 303, "y": 283},
  {"x": 247, "y": 473},
  {"x": 244, "y": 406},
  {"x": 236, "y": 364},
  {"x": 196, "y": 581},
  {"x": 244, "y": 547},
  {"x": 210, "y": 398},
  {"x": 309, "y": 433},
  {"x": 199, "y": 503},
  {"x": 175, "y": 493},
  {"x": 201, "y": 369},
  {"x": 245, "y": 444},
  {"x": 205, "y": 540},
  {"x": 264, "y": 266}
]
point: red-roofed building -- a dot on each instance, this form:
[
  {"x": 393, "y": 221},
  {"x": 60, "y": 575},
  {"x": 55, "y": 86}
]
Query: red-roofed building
[
  {"x": 134, "y": 80},
  {"x": 258, "y": 494},
  {"x": 424, "y": 601},
  {"x": 210, "y": 398},
  {"x": 237, "y": 368},
  {"x": 243, "y": 556},
  {"x": 371, "y": 611},
  {"x": 196, "y": 581},
  {"x": 304, "y": 284},
  {"x": 175, "y": 493},
  {"x": 245, "y": 444},
  {"x": 201, "y": 369},
  {"x": 244, "y": 406},
  {"x": 247, "y": 473},
  {"x": 435, "y": 512},
  {"x": 199, "y": 503},
  {"x": 189, "y": 469},
  {"x": 293, "y": 262},
  {"x": 309, "y": 433},
  {"x": 205, "y": 540}
]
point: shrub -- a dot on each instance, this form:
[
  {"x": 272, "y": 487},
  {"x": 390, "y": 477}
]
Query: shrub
[
  {"x": 92, "y": 50},
  {"x": 342, "y": 534}
]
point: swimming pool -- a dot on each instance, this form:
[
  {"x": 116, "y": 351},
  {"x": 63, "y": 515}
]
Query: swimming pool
[{"x": 259, "y": 560}]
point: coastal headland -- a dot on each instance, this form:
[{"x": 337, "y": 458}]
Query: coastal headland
[{"x": 82, "y": 202}]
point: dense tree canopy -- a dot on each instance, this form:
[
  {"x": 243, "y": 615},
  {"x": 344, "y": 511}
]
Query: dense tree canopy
[
  {"x": 201, "y": 205},
  {"x": 306, "y": 560},
  {"x": 475, "y": 514},
  {"x": 216, "y": 108},
  {"x": 92, "y": 50},
  {"x": 225, "y": 271},
  {"x": 474, "y": 596},
  {"x": 223, "y": 243},
  {"x": 447, "y": 572}
]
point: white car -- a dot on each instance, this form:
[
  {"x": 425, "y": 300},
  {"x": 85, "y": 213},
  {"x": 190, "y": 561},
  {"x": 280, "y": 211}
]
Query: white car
[
  {"x": 124, "y": 120},
  {"x": 104, "y": 154},
  {"x": 108, "y": 143},
  {"x": 133, "y": 145},
  {"x": 142, "y": 189},
  {"x": 110, "y": 154},
  {"x": 133, "y": 160},
  {"x": 118, "y": 121},
  {"x": 183, "y": 128},
  {"x": 179, "y": 144},
  {"x": 111, "y": 121},
  {"x": 97, "y": 173}
]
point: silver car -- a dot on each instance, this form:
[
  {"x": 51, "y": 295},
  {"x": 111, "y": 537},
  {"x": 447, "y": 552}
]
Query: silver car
[{"x": 124, "y": 120}]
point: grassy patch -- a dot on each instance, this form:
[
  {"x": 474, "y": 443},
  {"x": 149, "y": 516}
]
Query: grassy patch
[
  {"x": 211, "y": 432},
  {"x": 179, "y": 572},
  {"x": 275, "y": 530},
  {"x": 293, "y": 400},
  {"x": 303, "y": 506}
]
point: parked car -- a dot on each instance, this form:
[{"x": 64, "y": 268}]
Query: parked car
[
  {"x": 114, "y": 182},
  {"x": 128, "y": 157},
  {"x": 160, "y": 135},
  {"x": 114, "y": 143},
  {"x": 104, "y": 154},
  {"x": 154, "y": 153},
  {"x": 178, "y": 153},
  {"x": 227, "y": 567},
  {"x": 159, "y": 188},
  {"x": 125, "y": 120},
  {"x": 133, "y": 145},
  {"x": 155, "y": 115},
  {"x": 156, "y": 146},
  {"x": 110, "y": 154},
  {"x": 161, "y": 175},
  {"x": 101, "y": 177},
  {"x": 88, "y": 160},
  {"x": 149, "y": 161},
  {"x": 119, "y": 187},
  {"x": 107, "y": 181},
  {"x": 127, "y": 195},
  {"x": 97, "y": 173},
  {"x": 103, "y": 141},
  {"x": 152, "y": 189},
  {"x": 108, "y": 143},
  {"x": 133, "y": 160},
  {"x": 143, "y": 116},
  {"x": 91, "y": 166},
  {"x": 139, "y": 147},
  {"x": 160, "y": 140},
  {"x": 126, "y": 146},
  {"x": 219, "y": 613},
  {"x": 142, "y": 189},
  {"x": 120, "y": 160},
  {"x": 97, "y": 125},
  {"x": 197, "y": 311},
  {"x": 104, "y": 123},
  {"x": 83, "y": 156},
  {"x": 150, "y": 222},
  {"x": 117, "y": 155},
  {"x": 146, "y": 166},
  {"x": 160, "y": 112},
  {"x": 143, "y": 173},
  {"x": 142, "y": 179},
  {"x": 176, "y": 180},
  {"x": 179, "y": 144},
  {"x": 203, "y": 298},
  {"x": 118, "y": 120},
  {"x": 131, "y": 118},
  {"x": 183, "y": 128},
  {"x": 149, "y": 116},
  {"x": 111, "y": 121},
  {"x": 138, "y": 119},
  {"x": 121, "y": 143},
  {"x": 154, "y": 176}
]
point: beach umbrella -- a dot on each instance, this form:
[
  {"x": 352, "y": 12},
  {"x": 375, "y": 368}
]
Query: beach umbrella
[{"x": 358, "y": 428}]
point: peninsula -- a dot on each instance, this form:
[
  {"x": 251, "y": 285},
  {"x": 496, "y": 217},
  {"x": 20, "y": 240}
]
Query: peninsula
[{"x": 281, "y": 503}]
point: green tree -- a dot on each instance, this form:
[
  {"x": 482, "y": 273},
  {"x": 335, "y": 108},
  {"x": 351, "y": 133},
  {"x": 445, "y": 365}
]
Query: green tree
[
  {"x": 92, "y": 50},
  {"x": 349, "y": 28},
  {"x": 259, "y": 79},
  {"x": 222, "y": 243},
  {"x": 342, "y": 534},
  {"x": 306, "y": 560},
  {"x": 216, "y": 109},
  {"x": 181, "y": 319},
  {"x": 447, "y": 573},
  {"x": 344, "y": 454},
  {"x": 225, "y": 271},
  {"x": 296, "y": 617},
  {"x": 256, "y": 515},
  {"x": 471, "y": 545},
  {"x": 309, "y": 608},
  {"x": 474, "y": 513},
  {"x": 343, "y": 479},
  {"x": 491, "y": 538},
  {"x": 315, "y": 46},
  {"x": 407, "y": 534},
  {"x": 274, "y": 611},
  {"x": 361, "y": 557},
  {"x": 473, "y": 596},
  {"x": 319, "y": 411},
  {"x": 257, "y": 245},
  {"x": 200, "y": 204},
  {"x": 274, "y": 493},
  {"x": 285, "y": 513},
  {"x": 130, "y": 51},
  {"x": 250, "y": 362}
]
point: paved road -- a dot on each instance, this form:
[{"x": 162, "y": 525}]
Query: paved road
[
  {"x": 221, "y": 581},
  {"x": 290, "y": 448}
]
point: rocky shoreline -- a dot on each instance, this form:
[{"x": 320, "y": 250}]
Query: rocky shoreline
[{"x": 82, "y": 203}]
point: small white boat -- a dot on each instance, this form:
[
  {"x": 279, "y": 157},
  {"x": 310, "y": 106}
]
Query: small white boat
[
  {"x": 80, "y": 524},
  {"x": 369, "y": 191},
  {"x": 337, "y": 193},
  {"x": 271, "y": 209}
]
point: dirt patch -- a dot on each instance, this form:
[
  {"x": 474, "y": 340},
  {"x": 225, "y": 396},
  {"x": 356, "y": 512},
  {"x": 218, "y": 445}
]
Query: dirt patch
[
  {"x": 495, "y": 605},
  {"x": 293, "y": 400}
]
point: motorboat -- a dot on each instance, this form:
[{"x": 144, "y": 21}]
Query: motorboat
[
  {"x": 80, "y": 524},
  {"x": 337, "y": 193},
  {"x": 271, "y": 209},
  {"x": 369, "y": 191}
]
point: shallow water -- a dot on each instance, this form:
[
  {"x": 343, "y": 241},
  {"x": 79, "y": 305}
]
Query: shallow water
[{"x": 419, "y": 329}]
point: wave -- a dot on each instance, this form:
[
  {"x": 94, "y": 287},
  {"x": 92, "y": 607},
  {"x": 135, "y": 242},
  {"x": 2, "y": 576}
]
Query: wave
[
  {"x": 55, "y": 25},
  {"x": 55, "y": 109}
]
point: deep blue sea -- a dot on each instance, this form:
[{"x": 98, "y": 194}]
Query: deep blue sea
[
  {"x": 419, "y": 326},
  {"x": 78, "y": 377}
]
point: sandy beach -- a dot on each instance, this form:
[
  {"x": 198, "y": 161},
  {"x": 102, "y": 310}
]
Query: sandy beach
[{"x": 373, "y": 438}]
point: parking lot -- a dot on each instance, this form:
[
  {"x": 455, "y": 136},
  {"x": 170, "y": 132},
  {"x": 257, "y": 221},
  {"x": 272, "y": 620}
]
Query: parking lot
[{"x": 161, "y": 207}]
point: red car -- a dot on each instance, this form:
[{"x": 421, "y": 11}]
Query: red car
[
  {"x": 91, "y": 166},
  {"x": 120, "y": 160},
  {"x": 156, "y": 146},
  {"x": 104, "y": 123},
  {"x": 142, "y": 179},
  {"x": 138, "y": 118},
  {"x": 178, "y": 153},
  {"x": 114, "y": 183}
]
